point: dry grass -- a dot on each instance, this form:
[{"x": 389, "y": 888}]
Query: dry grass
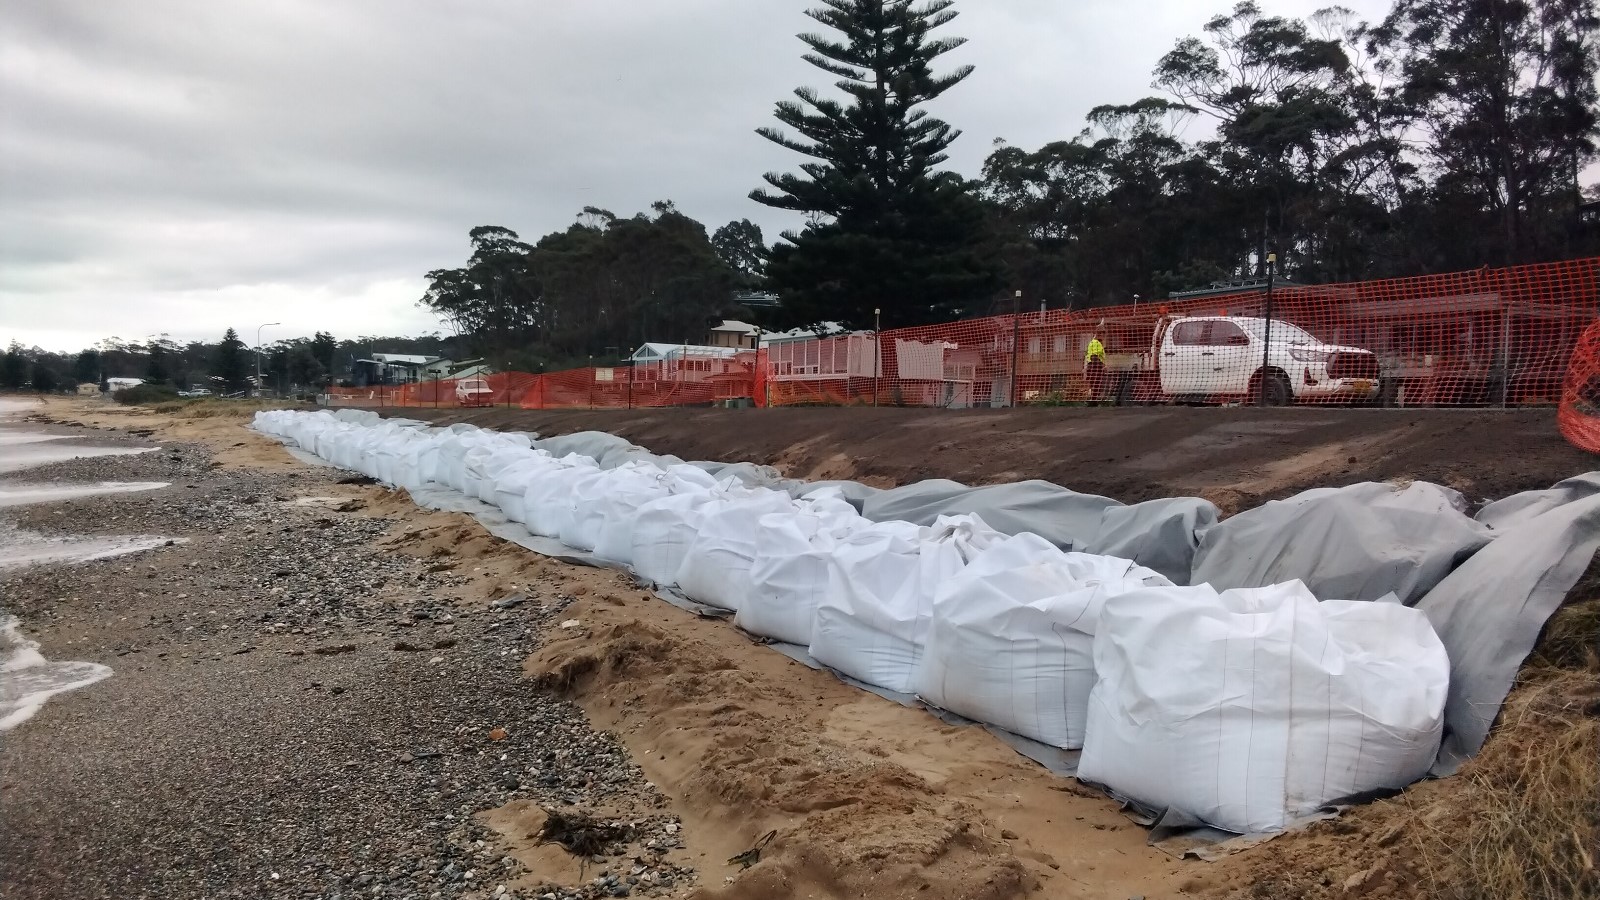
[
  {"x": 1528, "y": 815},
  {"x": 216, "y": 407},
  {"x": 1529, "y": 823}
]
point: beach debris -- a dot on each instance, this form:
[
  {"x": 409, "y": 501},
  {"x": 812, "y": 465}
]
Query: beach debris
[{"x": 752, "y": 856}]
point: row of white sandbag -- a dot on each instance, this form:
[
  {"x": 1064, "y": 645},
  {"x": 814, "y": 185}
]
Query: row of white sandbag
[{"x": 1245, "y": 709}]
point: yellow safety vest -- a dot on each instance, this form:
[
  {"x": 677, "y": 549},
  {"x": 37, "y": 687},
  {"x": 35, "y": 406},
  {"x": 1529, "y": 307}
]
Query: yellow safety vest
[{"x": 1097, "y": 350}]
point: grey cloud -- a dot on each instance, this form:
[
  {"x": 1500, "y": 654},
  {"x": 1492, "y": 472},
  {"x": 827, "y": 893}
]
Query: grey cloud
[{"x": 183, "y": 166}]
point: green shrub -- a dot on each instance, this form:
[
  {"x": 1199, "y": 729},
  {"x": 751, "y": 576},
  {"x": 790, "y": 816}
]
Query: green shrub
[{"x": 145, "y": 394}]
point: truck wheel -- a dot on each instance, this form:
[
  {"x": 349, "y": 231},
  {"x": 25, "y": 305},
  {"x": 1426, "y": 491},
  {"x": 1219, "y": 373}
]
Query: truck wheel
[
  {"x": 1124, "y": 396},
  {"x": 1276, "y": 387}
]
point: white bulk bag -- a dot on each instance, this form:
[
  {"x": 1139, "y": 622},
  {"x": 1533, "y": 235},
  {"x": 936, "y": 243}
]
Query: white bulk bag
[
  {"x": 429, "y": 455},
  {"x": 872, "y": 623},
  {"x": 619, "y": 511},
  {"x": 405, "y": 462},
  {"x": 789, "y": 575},
  {"x": 716, "y": 568},
  {"x": 451, "y": 468},
  {"x": 548, "y": 503},
  {"x": 511, "y": 484},
  {"x": 625, "y": 487},
  {"x": 663, "y": 529},
  {"x": 490, "y": 467},
  {"x": 1250, "y": 708},
  {"x": 1011, "y": 638},
  {"x": 470, "y": 476}
]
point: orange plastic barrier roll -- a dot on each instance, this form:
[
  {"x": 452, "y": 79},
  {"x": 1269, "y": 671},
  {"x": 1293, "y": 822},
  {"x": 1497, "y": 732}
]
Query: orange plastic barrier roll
[{"x": 1580, "y": 395}]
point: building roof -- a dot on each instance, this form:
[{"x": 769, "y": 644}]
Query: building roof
[
  {"x": 404, "y": 359},
  {"x": 477, "y": 371},
  {"x": 731, "y": 327},
  {"x": 826, "y": 329},
  {"x": 675, "y": 351}
]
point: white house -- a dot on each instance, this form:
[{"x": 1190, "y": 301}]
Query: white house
[{"x": 738, "y": 335}]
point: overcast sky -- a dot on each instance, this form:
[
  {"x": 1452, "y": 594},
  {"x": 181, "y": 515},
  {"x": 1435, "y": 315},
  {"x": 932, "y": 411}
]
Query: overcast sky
[{"x": 182, "y": 166}]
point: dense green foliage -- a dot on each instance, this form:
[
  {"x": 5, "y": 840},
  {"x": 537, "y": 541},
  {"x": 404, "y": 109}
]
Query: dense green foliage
[
  {"x": 598, "y": 289},
  {"x": 1449, "y": 136},
  {"x": 145, "y": 394}
]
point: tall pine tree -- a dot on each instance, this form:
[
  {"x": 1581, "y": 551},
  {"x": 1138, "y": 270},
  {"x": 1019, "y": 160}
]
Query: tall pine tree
[
  {"x": 231, "y": 366},
  {"x": 887, "y": 229},
  {"x": 155, "y": 370}
]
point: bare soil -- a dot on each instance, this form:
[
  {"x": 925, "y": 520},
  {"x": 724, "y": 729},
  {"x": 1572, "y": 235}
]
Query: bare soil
[{"x": 1237, "y": 457}]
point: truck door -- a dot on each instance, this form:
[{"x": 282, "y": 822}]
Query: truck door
[
  {"x": 1234, "y": 358},
  {"x": 1183, "y": 369}
]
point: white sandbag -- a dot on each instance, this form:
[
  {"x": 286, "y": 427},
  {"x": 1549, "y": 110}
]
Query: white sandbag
[
  {"x": 789, "y": 574},
  {"x": 663, "y": 530},
  {"x": 620, "y": 509},
  {"x": 872, "y": 624},
  {"x": 629, "y": 485},
  {"x": 512, "y": 482},
  {"x": 490, "y": 467},
  {"x": 716, "y": 568},
  {"x": 1250, "y": 708},
  {"x": 548, "y": 503},
  {"x": 1011, "y": 638}
]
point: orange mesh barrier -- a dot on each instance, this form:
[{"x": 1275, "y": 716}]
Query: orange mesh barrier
[
  {"x": 1580, "y": 396},
  {"x": 1488, "y": 337}
]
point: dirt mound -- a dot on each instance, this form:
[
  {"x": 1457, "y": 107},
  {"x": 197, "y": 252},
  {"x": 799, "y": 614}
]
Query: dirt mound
[
  {"x": 1237, "y": 457},
  {"x": 744, "y": 751}
]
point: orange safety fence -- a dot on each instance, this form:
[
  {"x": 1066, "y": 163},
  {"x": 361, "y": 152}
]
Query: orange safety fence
[
  {"x": 1487, "y": 337},
  {"x": 1580, "y": 396}
]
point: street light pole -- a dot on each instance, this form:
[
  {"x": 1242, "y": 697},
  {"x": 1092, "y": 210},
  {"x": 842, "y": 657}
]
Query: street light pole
[
  {"x": 877, "y": 353},
  {"x": 1266, "y": 343},
  {"x": 1016, "y": 322},
  {"x": 258, "y": 351}
]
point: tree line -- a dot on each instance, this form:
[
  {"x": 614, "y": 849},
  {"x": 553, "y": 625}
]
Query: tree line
[
  {"x": 224, "y": 366},
  {"x": 1449, "y": 135}
]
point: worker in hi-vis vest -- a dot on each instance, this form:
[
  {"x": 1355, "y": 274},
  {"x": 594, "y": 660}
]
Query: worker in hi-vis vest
[{"x": 1094, "y": 367}]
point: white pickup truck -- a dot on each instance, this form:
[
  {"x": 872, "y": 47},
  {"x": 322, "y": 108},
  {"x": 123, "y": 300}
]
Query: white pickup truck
[
  {"x": 1218, "y": 358},
  {"x": 474, "y": 392}
]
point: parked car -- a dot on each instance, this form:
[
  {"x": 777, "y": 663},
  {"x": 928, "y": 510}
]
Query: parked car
[
  {"x": 474, "y": 392},
  {"x": 1219, "y": 358}
]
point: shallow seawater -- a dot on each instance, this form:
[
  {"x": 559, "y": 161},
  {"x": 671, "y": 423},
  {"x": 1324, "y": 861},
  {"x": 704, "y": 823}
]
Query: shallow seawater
[
  {"x": 26, "y": 493},
  {"x": 25, "y": 548},
  {"x": 22, "y": 455},
  {"x": 27, "y": 679}
]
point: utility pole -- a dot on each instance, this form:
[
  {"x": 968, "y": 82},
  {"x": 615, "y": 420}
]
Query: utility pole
[
  {"x": 877, "y": 353},
  {"x": 1016, "y": 336},
  {"x": 258, "y": 351},
  {"x": 1266, "y": 345}
]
